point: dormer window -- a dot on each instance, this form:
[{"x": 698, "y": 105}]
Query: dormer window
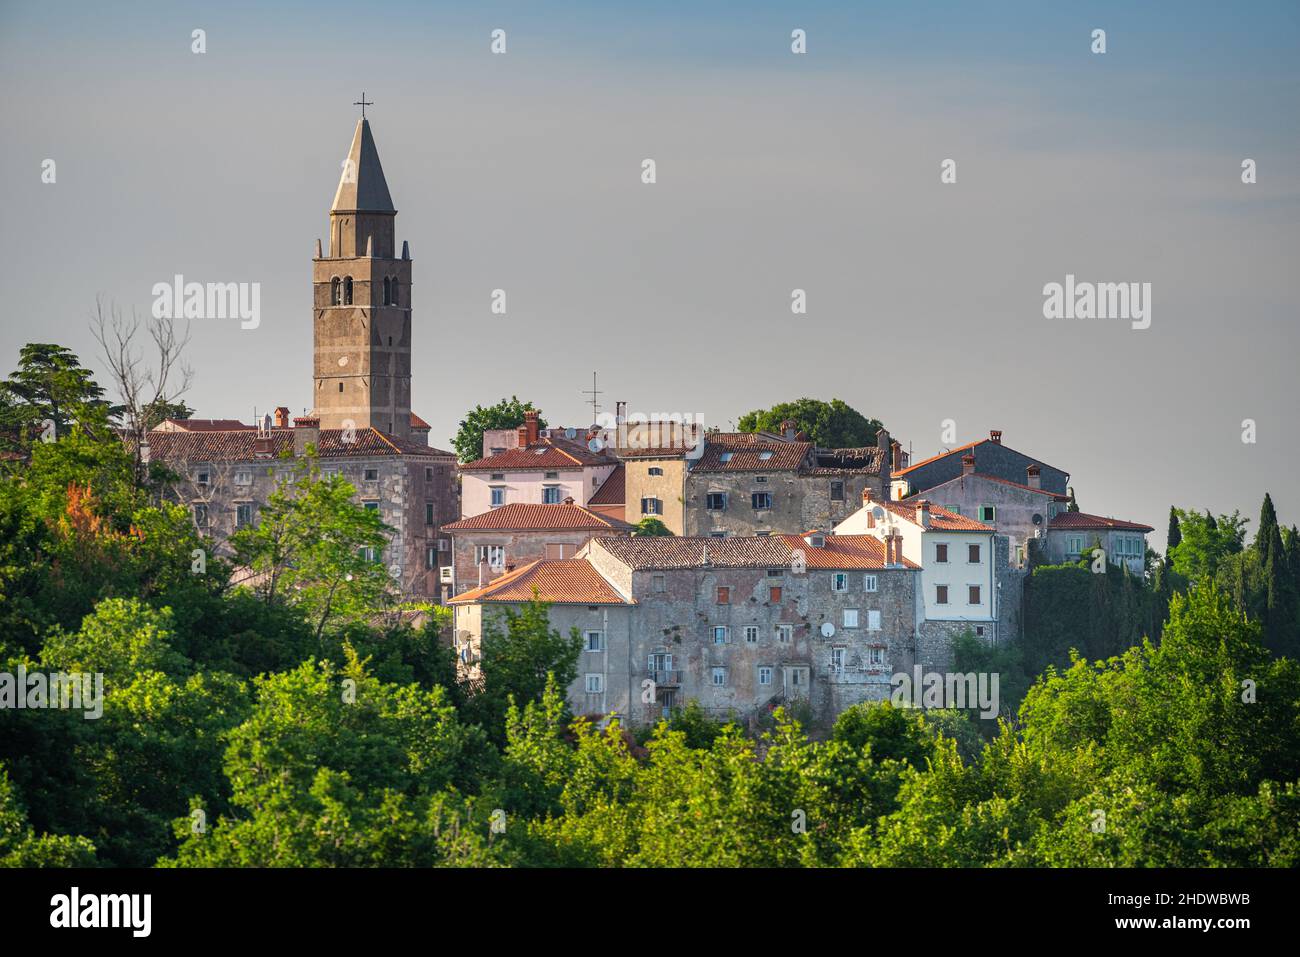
[{"x": 816, "y": 541}]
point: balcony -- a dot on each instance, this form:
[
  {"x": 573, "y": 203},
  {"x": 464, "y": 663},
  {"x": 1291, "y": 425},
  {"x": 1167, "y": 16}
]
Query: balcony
[{"x": 666, "y": 679}]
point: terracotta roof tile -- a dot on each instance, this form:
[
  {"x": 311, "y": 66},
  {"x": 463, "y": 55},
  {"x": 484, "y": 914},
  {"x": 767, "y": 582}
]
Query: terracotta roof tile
[
  {"x": 245, "y": 445},
  {"x": 746, "y": 452},
  {"x": 518, "y": 516},
  {"x": 549, "y": 453},
  {"x": 846, "y": 552},
  {"x": 571, "y": 581},
  {"x": 941, "y": 519},
  {"x": 613, "y": 490},
  {"x": 983, "y": 477},
  {"x": 1082, "y": 520}
]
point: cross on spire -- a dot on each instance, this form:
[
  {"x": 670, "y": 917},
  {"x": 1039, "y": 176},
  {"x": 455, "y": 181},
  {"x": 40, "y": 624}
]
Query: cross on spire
[{"x": 363, "y": 103}]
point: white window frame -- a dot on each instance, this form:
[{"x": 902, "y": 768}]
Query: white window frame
[
  {"x": 751, "y": 634},
  {"x": 724, "y": 631},
  {"x": 850, "y": 618},
  {"x": 785, "y": 633},
  {"x": 870, "y": 583},
  {"x": 498, "y": 495},
  {"x": 599, "y": 637},
  {"x": 840, "y": 582},
  {"x": 244, "y": 477},
  {"x": 718, "y": 677},
  {"x": 595, "y": 684},
  {"x": 764, "y": 674},
  {"x": 837, "y": 660}
]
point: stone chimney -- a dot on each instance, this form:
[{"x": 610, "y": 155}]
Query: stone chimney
[
  {"x": 281, "y": 417},
  {"x": 866, "y": 496},
  {"x": 896, "y": 459},
  {"x": 995, "y": 436},
  {"x": 889, "y": 548},
  {"x": 789, "y": 430},
  {"x": 923, "y": 513},
  {"x": 306, "y": 430},
  {"x": 1035, "y": 480},
  {"x": 530, "y": 428},
  {"x": 968, "y": 465}
]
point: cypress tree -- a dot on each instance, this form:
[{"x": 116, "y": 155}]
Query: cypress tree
[
  {"x": 1267, "y": 527},
  {"x": 1175, "y": 534}
]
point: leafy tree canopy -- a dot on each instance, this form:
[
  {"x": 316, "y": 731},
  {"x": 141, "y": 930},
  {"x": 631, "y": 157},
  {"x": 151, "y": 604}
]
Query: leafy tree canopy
[
  {"x": 832, "y": 424},
  {"x": 506, "y": 414}
]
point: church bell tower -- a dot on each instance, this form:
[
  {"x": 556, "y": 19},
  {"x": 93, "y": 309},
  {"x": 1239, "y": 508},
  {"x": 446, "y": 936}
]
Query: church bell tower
[{"x": 362, "y": 311}]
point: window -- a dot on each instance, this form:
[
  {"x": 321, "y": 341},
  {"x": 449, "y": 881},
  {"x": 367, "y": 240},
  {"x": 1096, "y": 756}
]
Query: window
[
  {"x": 837, "y": 661},
  {"x": 444, "y": 545},
  {"x": 498, "y": 476},
  {"x": 551, "y": 475},
  {"x": 347, "y": 290},
  {"x": 719, "y": 677},
  {"x": 428, "y": 513},
  {"x": 243, "y": 514},
  {"x": 775, "y": 572},
  {"x": 760, "y": 479},
  {"x": 369, "y": 554},
  {"x": 761, "y": 500},
  {"x": 840, "y": 581},
  {"x": 494, "y": 555},
  {"x": 876, "y": 656},
  {"x": 336, "y": 292},
  {"x": 774, "y": 594},
  {"x": 941, "y": 594},
  {"x": 719, "y": 634},
  {"x": 873, "y": 619},
  {"x": 372, "y": 475},
  {"x": 498, "y": 495},
  {"x": 656, "y": 470},
  {"x": 243, "y": 477},
  {"x": 850, "y": 618},
  {"x": 397, "y": 299},
  {"x": 988, "y": 513},
  {"x": 973, "y": 554},
  {"x": 720, "y": 533},
  {"x": 724, "y": 595},
  {"x": 869, "y": 582},
  {"x": 955, "y": 509},
  {"x": 1074, "y": 545},
  {"x": 428, "y": 474},
  {"x": 660, "y": 661},
  {"x": 837, "y": 491},
  {"x": 941, "y": 553},
  {"x": 340, "y": 386},
  {"x": 974, "y": 598},
  {"x": 751, "y": 634},
  {"x": 658, "y": 583},
  {"x": 724, "y": 457},
  {"x": 765, "y": 454},
  {"x": 550, "y": 495},
  {"x": 203, "y": 477},
  {"x": 784, "y": 633},
  {"x": 651, "y": 506},
  {"x": 388, "y": 290},
  {"x": 595, "y": 641},
  {"x": 430, "y": 557},
  {"x": 595, "y": 684},
  {"x": 715, "y": 501},
  {"x": 201, "y": 516},
  {"x": 764, "y": 675},
  {"x": 370, "y": 506}
]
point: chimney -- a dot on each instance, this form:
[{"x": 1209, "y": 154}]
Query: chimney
[
  {"x": 568, "y": 500},
  {"x": 886, "y": 449},
  {"x": 896, "y": 455},
  {"x": 522, "y": 437},
  {"x": 995, "y": 436},
  {"x": 306, "y": 430},
  {"x": 790, "y": 430},
  {"x": 968, "y": 465},
  {"x": 1035, "y": 480},
  {"x": 281, "y": 418},
  {"x": 889, "y": 547},
  {"x": 923, "y": 513},
  {"x": 530, "y": 427},
  {"x": 866, "y": 495}
]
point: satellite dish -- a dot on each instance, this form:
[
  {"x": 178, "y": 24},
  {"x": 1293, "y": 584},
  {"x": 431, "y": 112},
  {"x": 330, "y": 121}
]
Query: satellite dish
[
  {"x": 828, "y": 630},
  {"x": 878, "y": 513},
  {"x": 1038, "y": 519}
]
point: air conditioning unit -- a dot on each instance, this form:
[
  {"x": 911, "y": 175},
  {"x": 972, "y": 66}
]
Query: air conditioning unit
[{"x": 444, "y": 575}]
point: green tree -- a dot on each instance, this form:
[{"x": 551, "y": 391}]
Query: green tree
[
  {"x": 162, "y": 409},
  {"x": 1268, "y": 527},
  {"x": 20, "y": 846},
  {"x": 1174, "y": 535},
  {"x": 651, "y": 526},
  {"x": 1205, "y": 542},
  {"x": 49, "y": 383},
  {"x": 506, "y": 414},
  {"x": 832, "y": 424}
]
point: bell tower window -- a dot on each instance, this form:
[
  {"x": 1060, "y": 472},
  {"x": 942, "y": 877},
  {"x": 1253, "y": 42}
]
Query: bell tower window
[
  {"x": 336, "y": 292},
  {"x": 347, "y": 290},
  {"x": 395, "y": 297},
  {"x": 388, "y": 300}
]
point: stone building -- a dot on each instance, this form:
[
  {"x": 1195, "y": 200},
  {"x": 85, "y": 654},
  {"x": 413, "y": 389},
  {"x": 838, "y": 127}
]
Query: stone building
[
  {"x": 1074, "y": 535},
  {"x": 737, "y": 624},
  {"x": 500, "y": 540},
  {"x": 991, "y": 458},
  {"x": 758, "y": 484}
]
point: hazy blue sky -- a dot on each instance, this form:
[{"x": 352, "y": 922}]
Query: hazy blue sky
[{"x": 775, "y": 172}]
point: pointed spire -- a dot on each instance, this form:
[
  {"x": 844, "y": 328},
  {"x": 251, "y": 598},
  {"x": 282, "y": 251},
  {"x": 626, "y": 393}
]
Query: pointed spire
[{"x": 362, "y": 187}]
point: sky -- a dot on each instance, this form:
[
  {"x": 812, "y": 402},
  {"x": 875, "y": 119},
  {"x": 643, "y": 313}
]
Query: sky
[{"x": 775, "y": 172}]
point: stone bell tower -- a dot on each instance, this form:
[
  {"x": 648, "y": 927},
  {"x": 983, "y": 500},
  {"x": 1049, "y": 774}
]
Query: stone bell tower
[{"x": 362, "y": 303}]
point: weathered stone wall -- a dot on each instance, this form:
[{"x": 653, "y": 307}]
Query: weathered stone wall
[{"x": 800, "y": 502}]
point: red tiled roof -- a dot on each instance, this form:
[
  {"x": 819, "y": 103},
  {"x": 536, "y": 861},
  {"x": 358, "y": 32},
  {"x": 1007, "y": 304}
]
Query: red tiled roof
[
  {"x": 941, "y": 519},
  {"x": 942, "y": 455},
  {"x": 245, "y": 445},
  {"x": 866, "y": 460},
  {"x": 418, "y": 423},
  {"x": 846, "y": 552},
  {"x": 519, "y": 516},
  {"x": 1082, "y": 520},
  {"x": 745, "y": 452},
  {"x": 543, "y": 454},
  {"x": 612, "y": 490},
  {"x": 570, "y": 581},
  {"x": 209, "y": 425}
]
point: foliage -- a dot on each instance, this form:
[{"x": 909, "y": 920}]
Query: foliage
[
  {"x": 651, "y": 526},
  {"x": 832, "y": 425},
  {"x": 506, "y": 414}
]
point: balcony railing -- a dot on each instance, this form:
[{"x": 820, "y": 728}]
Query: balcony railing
[{"x": 666, "y": 678}]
